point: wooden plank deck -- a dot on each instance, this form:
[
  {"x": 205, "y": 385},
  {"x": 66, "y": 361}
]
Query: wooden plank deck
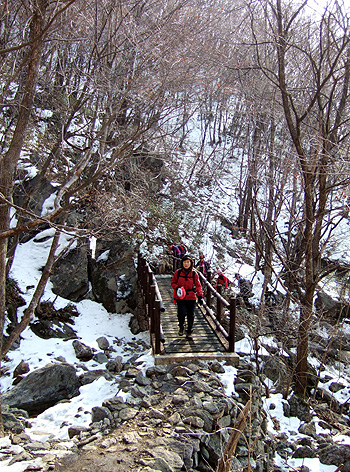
[{"x": 207, "y": 344}]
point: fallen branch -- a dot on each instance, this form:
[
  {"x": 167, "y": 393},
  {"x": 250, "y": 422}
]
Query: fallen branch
[{"x": 224, "y": 464}]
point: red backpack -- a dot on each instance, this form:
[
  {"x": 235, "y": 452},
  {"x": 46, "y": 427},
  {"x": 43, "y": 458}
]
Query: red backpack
[{"x": 183, "y": 249}]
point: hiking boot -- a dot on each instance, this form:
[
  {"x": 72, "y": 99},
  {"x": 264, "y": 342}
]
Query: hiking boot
[
  {"x": 181, "y": 331},
  {"x": 189, "y": 335}
]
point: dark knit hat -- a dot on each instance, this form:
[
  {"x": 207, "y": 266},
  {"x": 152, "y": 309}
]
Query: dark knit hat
[{"x": 187, "y": 257}]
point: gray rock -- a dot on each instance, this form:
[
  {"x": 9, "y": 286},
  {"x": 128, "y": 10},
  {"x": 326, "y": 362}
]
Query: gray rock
[
  {"x": 43, "y": 388},
  {"x": 141, "y": 380},
  {"x": 181, "y": 371},
  {"x": 21, "y": 369},
  {"x": 216, "y": 367},
  {"x": 37, "y": 446},
  {"x": 194, "y": 421},
  {"x": 13, "y": 424},
  {"x": 309, "y": 429},
  {"x": 70, "y": 275},
  {"x": 100, "y": 357},
  {"x": 102, "y": 343},
  {"x": 153, "y": 413},
  {"x": 336, "y": 386},
  {"x": 156, "y": 371},
  {"x": 337, "y": 455},
  {"x": 128, "y": 414},
  {"x": 115, "y": 365},
  {"x": 77, "y": 430},
  {"x": 180, "y": 399},
  {"x": 99, "y": 413},
  {"x": 157, "y": 464},
  {"x": 114, "y": 404},
  {"x": 171, "y": 458},
  {"x": 22, "y": 456},
  {"x": 304, "y": 451},
  {"x": 91, "y": 375},
  {"x": 83, "y": 352},
  {"x": 47, "y": 329},
  {"x": 299, "y": 408}
]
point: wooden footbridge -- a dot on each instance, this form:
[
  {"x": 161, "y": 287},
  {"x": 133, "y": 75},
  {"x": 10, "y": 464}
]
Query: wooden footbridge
[{"x": 210, "y": 341}]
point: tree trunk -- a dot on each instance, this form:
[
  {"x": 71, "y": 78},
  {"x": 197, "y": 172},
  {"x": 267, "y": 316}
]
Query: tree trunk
[
  {"x": 29, "y": 311},
  {"x": 8, "y": 162}
]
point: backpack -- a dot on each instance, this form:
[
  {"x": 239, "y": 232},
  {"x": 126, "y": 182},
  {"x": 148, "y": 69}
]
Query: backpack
[
  {"x": 193, "y": 275},
  {"x": 247, "y": 288},
  {"x": 183, "y": 249},
  {"x": 250, "y": 289}
]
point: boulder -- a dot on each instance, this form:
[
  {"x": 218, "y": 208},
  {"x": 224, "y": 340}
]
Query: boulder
[
  {"x": 83, "y": 352},
  {"x": 336, "y": 454},
  {"x": 47, "y": 329},
  {"x": 70, "y": 275},
  {"x": 113, "y": 276},
  {"x": 334, "y": 309},
  {"x": 43, "y": 388}
]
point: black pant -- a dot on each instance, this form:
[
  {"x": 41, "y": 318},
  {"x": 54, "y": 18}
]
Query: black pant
[{"x": 186, "y": 308}]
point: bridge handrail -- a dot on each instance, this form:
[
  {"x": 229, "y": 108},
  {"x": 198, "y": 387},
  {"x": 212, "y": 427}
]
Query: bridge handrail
[
  {"x": 221, "y": 302},
  {"x": 217, "y": 316},
  {"x": 153, "y": 300},
  {"x": 154, "y": 304}
]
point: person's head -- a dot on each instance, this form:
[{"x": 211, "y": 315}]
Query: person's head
[
  {"x": 187, "y": 262},
  {"x": 237, "y": 276},
  {"x": 219, "y": 271},
  {"x": 201, "y": 257},
  {"x": 170, "y": 245}
]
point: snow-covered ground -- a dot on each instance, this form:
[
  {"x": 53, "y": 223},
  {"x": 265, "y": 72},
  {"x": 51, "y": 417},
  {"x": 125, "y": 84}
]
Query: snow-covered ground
[{"x": 94, "y": 321}]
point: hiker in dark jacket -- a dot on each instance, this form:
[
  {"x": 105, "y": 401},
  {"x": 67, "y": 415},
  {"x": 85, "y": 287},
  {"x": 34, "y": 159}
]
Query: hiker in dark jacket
[
  {"x": 245, "y": 289},
  {"x": 175, "y": 250},
  {"x": 187, "y": 279},
  {"x": 202, "y": 265}
]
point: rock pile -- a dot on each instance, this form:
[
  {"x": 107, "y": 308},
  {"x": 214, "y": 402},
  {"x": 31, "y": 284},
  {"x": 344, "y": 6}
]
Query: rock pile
[
  {"x": 178, "y": 417},
  {"x": 173, "y": 418}
]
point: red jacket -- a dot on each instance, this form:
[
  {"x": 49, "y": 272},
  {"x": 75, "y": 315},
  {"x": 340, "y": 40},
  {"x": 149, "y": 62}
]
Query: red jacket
[
  {"x": 180, "y": 279},
  {"x": 222, "y": 280}
]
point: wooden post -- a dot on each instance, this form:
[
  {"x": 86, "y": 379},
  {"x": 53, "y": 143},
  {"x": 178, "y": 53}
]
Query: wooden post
[
  {"x": 152, "y": 298},
  {"x": 232, "y": 331},
  {"x": 208, "y": 301},
  {"x": 219, "y": 304},
  {"x": 157, "y": 336},
  {"x": 144, "y": 281},
  {"x": 149, "y": 282}
]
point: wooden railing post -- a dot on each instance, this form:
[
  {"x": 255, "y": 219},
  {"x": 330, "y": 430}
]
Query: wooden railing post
[
  {"x": 219, "y": 304},
  {"x": 148, "y": 283},
  {"x": 152, "y": 296},
  {"x": 157, "y": 336},
  {"x": 208, "y": 301},
  {"x": 232, "y": 331}
]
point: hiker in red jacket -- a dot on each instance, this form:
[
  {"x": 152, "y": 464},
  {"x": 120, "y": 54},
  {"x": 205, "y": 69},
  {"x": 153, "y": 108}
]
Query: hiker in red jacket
[
  {"x": 222, "y": 280},
  {"x": 187, "y": 288},
  {"x": 202, "y": 265}
]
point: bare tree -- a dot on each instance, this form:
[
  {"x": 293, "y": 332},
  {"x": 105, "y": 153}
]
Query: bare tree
[{"x": 310, "y": 67}]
